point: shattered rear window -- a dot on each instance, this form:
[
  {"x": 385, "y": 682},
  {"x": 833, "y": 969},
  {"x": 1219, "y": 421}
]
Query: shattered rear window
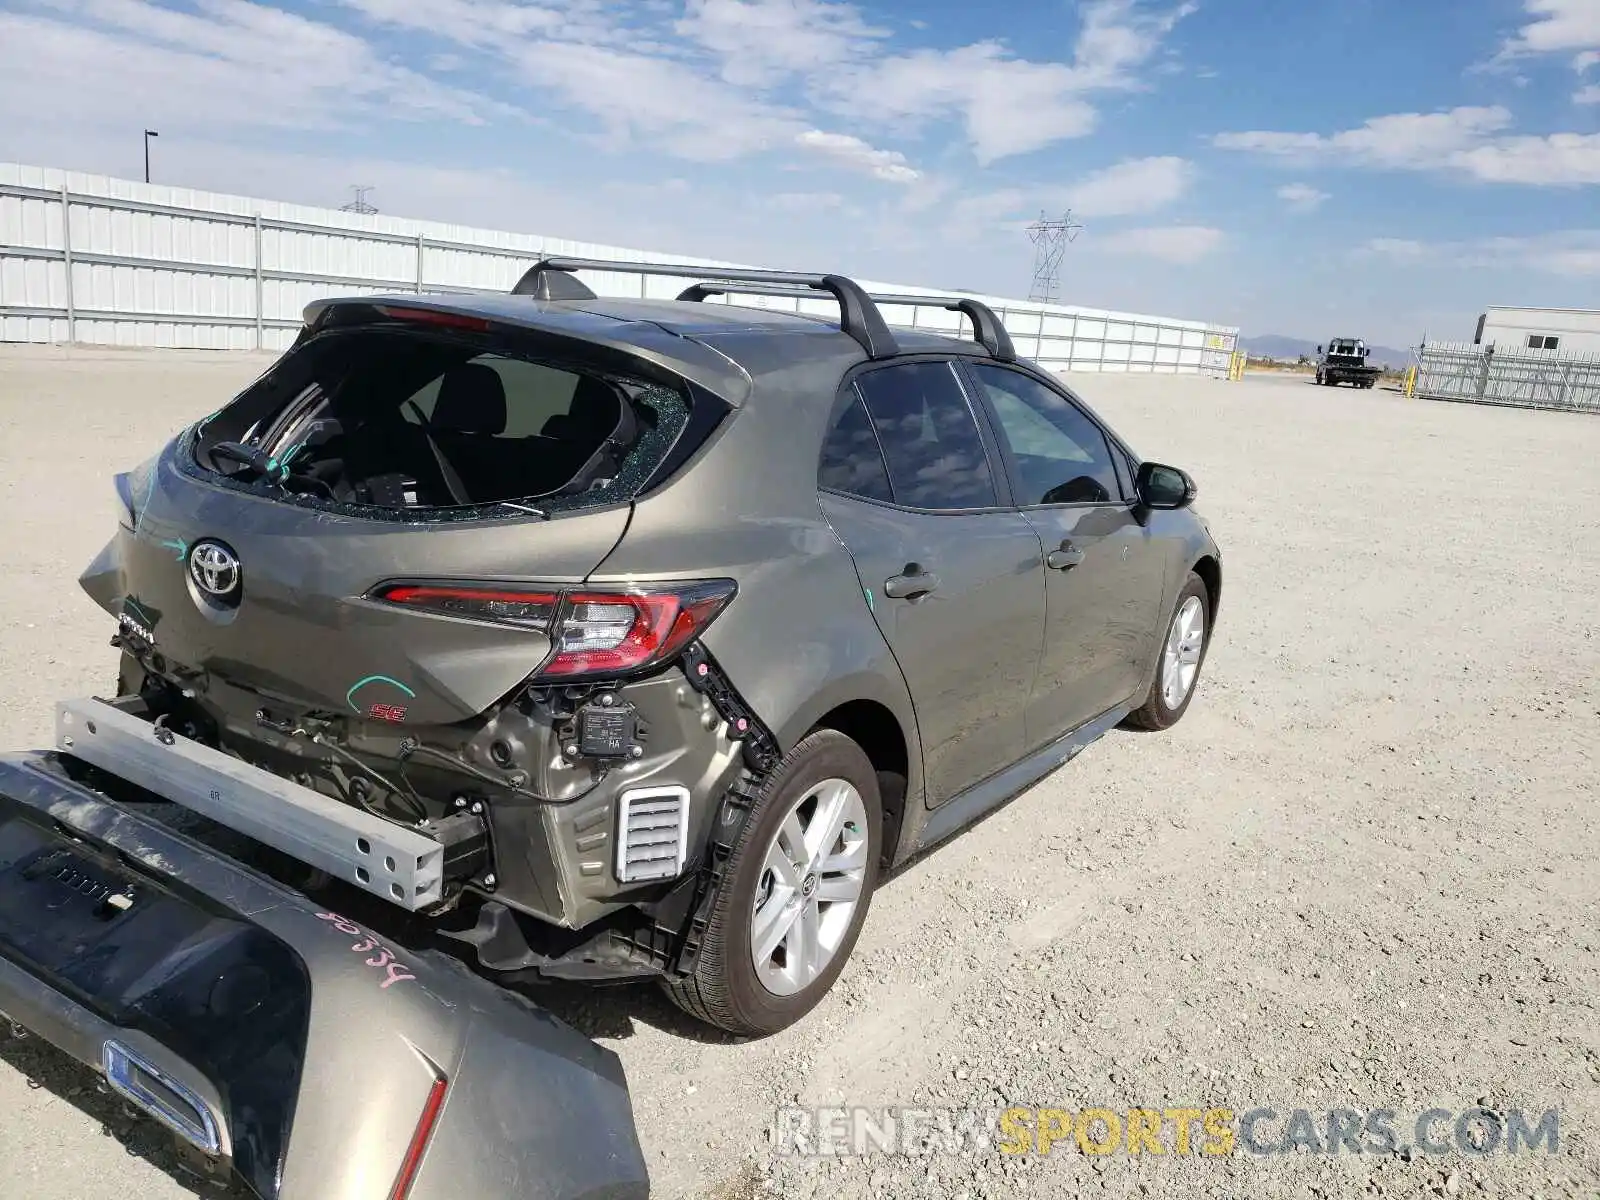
[{"x": 397, "y": 423}]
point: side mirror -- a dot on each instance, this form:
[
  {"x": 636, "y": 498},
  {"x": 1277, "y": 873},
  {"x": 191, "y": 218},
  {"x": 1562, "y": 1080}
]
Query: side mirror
[
  {"x": 1319, "y": 349},
  {"x": 1161, "y": 486}
]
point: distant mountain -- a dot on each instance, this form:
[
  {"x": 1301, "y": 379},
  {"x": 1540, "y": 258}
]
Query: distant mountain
[{"x": 1273, "y": 345}]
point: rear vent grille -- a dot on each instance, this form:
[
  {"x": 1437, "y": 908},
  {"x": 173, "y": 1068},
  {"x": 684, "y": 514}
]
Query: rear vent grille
[{"x": 654, "y": 834}]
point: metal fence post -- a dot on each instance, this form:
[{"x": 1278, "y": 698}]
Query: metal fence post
[
  {"x": 66, "y": 255},
  {"x": 260, "y": 333},
  {"x": 421, "y": 241}
]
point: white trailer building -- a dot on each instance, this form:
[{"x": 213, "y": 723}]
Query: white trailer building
[{"x": 1565, "y": 330}]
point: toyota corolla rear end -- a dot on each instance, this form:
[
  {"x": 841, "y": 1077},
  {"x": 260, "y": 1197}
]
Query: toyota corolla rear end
[{"x": 362, "y": 585}]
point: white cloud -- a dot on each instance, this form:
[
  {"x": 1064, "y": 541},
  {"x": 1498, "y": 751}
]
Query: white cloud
[
  {"x": 669, "y": 105},
  {"x": 1401, "y": 248},
  {"x": 1398, "y": 140},
  {"x": 735, "y": 60},
  {"x": 805, "y": 201},
  {"x": 889, "y": 165},
  {"x": 1138, "y": 185},
  {"x": 1558, "y": 26},
  {"x": 1008, "y": 105},
  {"x": 1561, "y": 159},
  {"x": 1589, "y": 58},
  {"x": 1302, "y": 197},
  {"x": 1465, "y": 140},
  {"x": 1134, "y": 186},
  {"x": 1182, "y": 244},
  {"x": 645, "y": 89},
  {"x": 229, "y": 63},
  {"x": 1567, "y": 253},
  {"x": 759, "y": 41},
  {"x": 1587, "y": 95}
]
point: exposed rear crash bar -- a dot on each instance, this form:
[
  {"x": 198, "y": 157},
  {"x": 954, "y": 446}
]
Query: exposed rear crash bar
[{"x": 401, "y": 865}]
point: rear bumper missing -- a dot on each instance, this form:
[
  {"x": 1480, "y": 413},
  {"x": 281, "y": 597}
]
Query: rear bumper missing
[
  {"x": 401, "y": 865},
  {"x": 300, "y": 1046}
]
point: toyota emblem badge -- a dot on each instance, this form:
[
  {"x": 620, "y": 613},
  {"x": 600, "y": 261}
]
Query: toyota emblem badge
[{"x": 214, "y": 568}]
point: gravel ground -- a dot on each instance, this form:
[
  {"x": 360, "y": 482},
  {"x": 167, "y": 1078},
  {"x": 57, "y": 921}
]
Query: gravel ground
[{"x": 1360, "y": 874}]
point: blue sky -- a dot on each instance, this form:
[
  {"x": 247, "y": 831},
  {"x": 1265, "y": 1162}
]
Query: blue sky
[{"x": 1383, "y": 169}]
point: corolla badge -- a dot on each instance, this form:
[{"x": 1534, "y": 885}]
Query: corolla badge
[{"x": 214, "y": 568}]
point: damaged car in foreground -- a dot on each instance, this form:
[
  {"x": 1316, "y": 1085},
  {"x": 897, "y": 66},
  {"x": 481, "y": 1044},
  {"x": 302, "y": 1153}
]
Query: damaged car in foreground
[{"x": 572, "y": 638}]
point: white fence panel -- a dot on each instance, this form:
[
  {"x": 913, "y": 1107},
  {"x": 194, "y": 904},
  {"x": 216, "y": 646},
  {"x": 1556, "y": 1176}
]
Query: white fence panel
[{"x": 94, "y": 259}]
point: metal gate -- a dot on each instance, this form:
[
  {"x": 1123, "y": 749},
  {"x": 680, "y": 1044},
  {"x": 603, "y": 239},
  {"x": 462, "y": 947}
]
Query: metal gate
[{"x": 1519, "y": 378}]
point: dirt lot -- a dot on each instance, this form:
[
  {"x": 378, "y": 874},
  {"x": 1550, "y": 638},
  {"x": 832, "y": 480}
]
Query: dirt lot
[{"x": 1363, "y": 873}]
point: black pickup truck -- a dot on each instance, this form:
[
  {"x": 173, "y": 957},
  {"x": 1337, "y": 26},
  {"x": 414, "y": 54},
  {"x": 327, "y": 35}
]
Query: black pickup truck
[{"x": 1344, "y": 360}]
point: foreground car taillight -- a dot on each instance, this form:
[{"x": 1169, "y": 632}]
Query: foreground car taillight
[
  {"x": 594, "y": 632},
  {"x": 509, "y": 607}
]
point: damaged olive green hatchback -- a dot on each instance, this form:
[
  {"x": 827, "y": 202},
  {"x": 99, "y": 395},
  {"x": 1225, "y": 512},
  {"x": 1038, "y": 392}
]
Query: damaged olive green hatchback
[{"x": 614, "y": 638}]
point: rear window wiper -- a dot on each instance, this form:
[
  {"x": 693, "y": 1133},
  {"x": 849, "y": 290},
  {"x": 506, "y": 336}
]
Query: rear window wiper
[{"x": 257, "y": 459}]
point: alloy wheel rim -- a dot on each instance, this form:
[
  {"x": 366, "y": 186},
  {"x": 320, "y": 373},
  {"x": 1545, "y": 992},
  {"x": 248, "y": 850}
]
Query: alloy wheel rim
[
  {"x": 1180, "y": 657},
  {"x": 811, "y": 882}
]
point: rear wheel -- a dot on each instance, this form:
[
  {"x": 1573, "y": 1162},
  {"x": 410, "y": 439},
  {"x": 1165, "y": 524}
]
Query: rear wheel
[
  {"x": 795, "y": 895},
  {"x": 1183, "y": 650}
]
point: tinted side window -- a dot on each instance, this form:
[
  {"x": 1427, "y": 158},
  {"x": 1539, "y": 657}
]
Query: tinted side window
[
  {"x": 1061, "y": 455},
  {"x": 851, "y": 460},
  {"x": 929, "y": 437}
]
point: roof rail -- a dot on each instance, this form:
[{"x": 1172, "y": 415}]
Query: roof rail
[
  {"x": 990, "y": 333},
  {"x": 858, "y": 315},
  {"x": 542, "y": 283}
]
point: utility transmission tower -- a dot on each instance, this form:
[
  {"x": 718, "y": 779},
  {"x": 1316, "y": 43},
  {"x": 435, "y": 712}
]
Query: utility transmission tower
[
  {"x": 359, "y": 204},
  {"x": 1051, "y": 237}
]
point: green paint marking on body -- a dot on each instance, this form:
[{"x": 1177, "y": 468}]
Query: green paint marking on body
[{"x": 350, "y": 696}]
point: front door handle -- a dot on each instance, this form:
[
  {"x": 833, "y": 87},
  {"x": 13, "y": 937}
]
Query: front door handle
[
  {"x": 1064, "y": 558},
  {"x": 914, "y": 582}
]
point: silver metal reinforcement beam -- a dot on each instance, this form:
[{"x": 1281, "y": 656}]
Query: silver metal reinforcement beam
[{"x": 403, "y": 866}]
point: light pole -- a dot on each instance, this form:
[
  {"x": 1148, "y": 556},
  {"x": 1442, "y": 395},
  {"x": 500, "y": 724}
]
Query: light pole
[{"x": 148, "y": 134}]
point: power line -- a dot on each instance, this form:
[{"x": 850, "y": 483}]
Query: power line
[
  {"x": 1051, "y": 237},
  {"x": 359, "y": 204}
]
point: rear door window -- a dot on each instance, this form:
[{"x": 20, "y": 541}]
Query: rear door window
[
  {"x": 930, "y": 439},
  {"x": 852, "y": 462}
]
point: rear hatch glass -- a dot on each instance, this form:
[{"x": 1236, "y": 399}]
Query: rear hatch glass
[{"x": 414, "y": 421}]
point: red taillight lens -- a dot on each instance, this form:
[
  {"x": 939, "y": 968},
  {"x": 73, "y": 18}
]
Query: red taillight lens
[
  {"x": 535, "y": 610},
  {"x": 428, "y": 316},
  {"x": 595, "y": 632},
  {"x": 606, "y": 633},
  {"x": 412, "y": 1162}
]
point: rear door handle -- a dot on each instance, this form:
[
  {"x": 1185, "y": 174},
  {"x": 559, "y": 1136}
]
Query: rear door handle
[
  {"x": 1064, "y": 558},
  {"x": 913, "y": 583}
]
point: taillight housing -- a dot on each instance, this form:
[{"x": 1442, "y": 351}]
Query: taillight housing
[{"x": 593, "y": 631}]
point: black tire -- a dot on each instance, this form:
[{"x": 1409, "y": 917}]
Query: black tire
[
  {"x": 1154, "y": 713},
  {"x": 724, "y": 989}
]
